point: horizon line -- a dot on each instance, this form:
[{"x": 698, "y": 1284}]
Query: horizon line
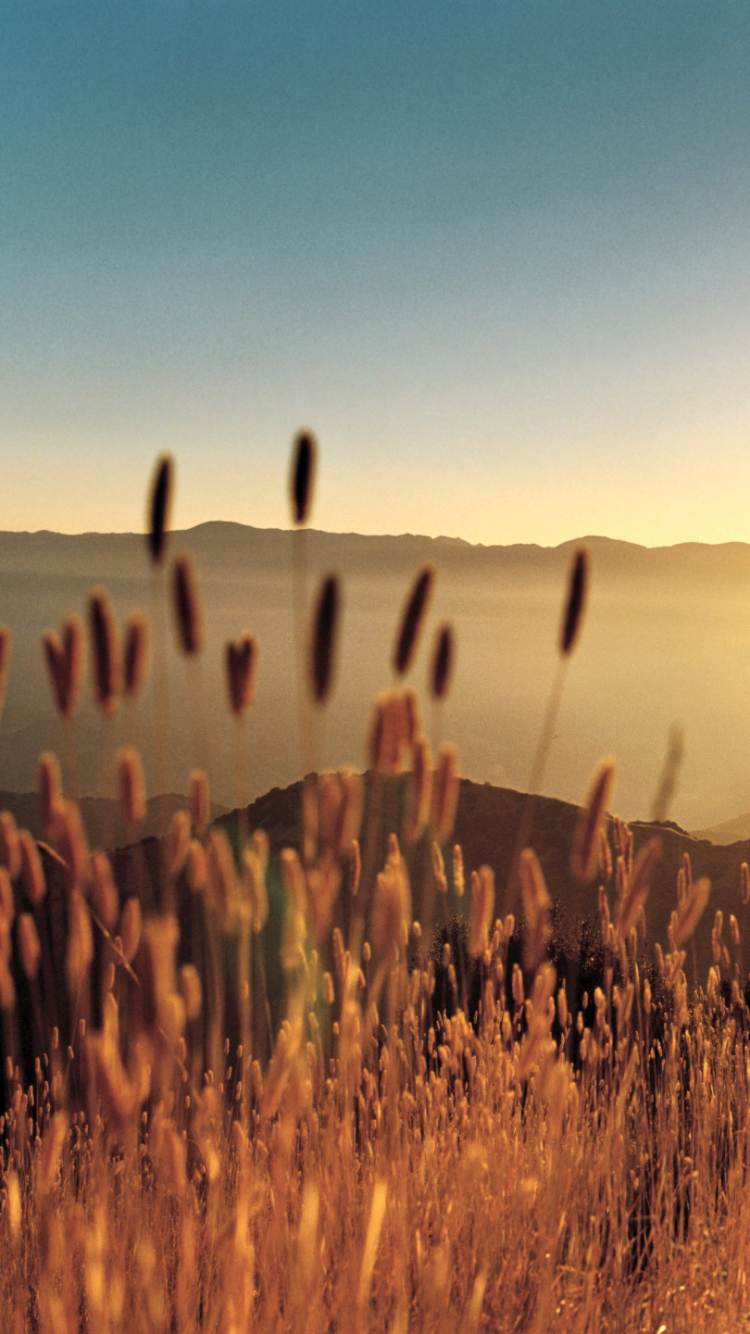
[{"x": 421, "y": 537}]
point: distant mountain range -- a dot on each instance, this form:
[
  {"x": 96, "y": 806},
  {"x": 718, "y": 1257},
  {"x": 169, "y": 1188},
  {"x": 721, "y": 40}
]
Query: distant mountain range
[
  {"x": 102, "y": 817},
  {"x": 730, "y": 831},
  {"x": 664, "y": 642}
]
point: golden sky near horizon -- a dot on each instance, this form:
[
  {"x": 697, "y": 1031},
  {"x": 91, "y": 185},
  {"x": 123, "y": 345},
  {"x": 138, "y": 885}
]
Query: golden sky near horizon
[{"x": 495, "y": 256}]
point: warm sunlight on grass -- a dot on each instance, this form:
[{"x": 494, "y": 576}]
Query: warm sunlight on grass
[{"x": 344, "y": 1088}]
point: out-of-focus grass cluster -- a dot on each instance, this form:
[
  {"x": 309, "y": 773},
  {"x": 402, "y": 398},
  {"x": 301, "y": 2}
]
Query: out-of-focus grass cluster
[{"x": 346, "y": 1088}]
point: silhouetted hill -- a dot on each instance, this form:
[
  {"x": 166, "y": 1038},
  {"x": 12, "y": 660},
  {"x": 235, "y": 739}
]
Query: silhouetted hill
[{"x": 487, "y": 822}]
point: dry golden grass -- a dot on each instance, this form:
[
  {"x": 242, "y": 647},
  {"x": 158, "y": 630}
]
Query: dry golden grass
[{"x": 438, "y": 1137}]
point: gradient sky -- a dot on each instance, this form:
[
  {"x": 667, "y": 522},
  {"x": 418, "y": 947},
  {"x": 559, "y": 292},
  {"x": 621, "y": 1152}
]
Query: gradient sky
[{"x": 496, "y": 254}]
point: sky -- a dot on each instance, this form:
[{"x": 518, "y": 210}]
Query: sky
[{"x": 495, "y": 253}]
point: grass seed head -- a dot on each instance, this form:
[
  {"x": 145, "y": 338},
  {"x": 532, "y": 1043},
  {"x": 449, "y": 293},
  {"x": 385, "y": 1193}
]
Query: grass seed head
[
  {"x": 65, "y": 657},
  {"x": 72, "y": 843},
  {"x": 32, "y": 874},
  {"x": 191, "y": 991},
  {"x": 187, "y": 605},
  {"x": 177, "y": 843},
  {"x": 200, "y": 801},
  {"x": 482, "y": 909},
  {"x": 132, "y": 783},
  {"x": 412, "y": 619},
  {"x": 691, "y": 910},
  {"x": 196, "y": 868},
  {"x": 131, "y": 925},
  {"x": 537, "y": 905},
  {"x": 159, "y": 508},
  {"x": 79, "y": 953},
  {"x": 445, "y": 790},
  {"x": 323, "y": 642},
  {"x": 104, "y": 897},
  {"x": 241, "y": 661},
  {"x": 105, "y": 645},
  {"x": 637, "y": 887},
  {"x": 7, "y": 899},
  {"x": 136, "y": 656},
  {"x": 302, "y": 477},
  {"x": 222, "y": 877},
  {"x": 29, "y": 948},
  {"x": 587, "y": 844},
  {"x": 575, "y": 603},
  {"x": 49, "y": 787},
  {"x": 10, "y": 846},
  {"x": 442, "y": 662}
]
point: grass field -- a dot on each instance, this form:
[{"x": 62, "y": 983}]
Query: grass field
[{"x": 348, "y": 1089}]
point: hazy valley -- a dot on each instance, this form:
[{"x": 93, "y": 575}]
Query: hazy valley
[{"x": 664, "y": 643}]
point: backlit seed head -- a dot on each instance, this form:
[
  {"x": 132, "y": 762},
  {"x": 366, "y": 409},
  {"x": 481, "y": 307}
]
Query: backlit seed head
[
  {"x": 323, "y": 641},
  {"x": 482, "y": 908},
  {"x": 10, "y": 847},
  {"x": 355, "y": 867},
  {"x": 412, "y": 619},
  {"x": 64, "y": 657},
  {"x": 106, "y": 656},
  {"x": 131, "y": 924},
  {"x": 445, "y": 790},
  {"x": 191, "y": 991},
  {"x": 136, "y": 656},
  {"x": 587, "y": 844},
  {"x": 177, "y": 842},
  {"x": 187, "y": 606},
  {"x": 132, "y": 783},
  {"x": 302, "y": 478},
  {"x": 49, "y": 787},
  {"x": 458, "y": 871},
  {"x": 104, "y": 897},
  {"x": 29, "y": 948},
  {"x": 196, "y": 869},
  {"x": 222, "y": 877},
  {"x": 159, "y": 508},
  {"x": 200, "y": 801},
  {"x": 420, "y": 789},
  {"x": 255, "y": 862},
  {"x": 537, "y": 905},
  {"x": 34, "y": 884},
  {"x": 7, "y": 899},
  {"x": 575, "y": 602},
  {"x": 442, "y": 662},
  {"x": 80, "y": 946},
  {"x": 241, "y": 661},
  {"x": 72, "y": 843}
]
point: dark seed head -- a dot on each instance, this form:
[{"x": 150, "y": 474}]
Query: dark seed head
[
  {"x": 576, "y": 601},
  {"x": 106, "y": 651},
  {"x": 159, "y": 508},
  {"x": 241, "y": 659},
  {"x": 187, "y": 606},
  {"x": 412, "y": 619},
  {"x": 135, "y": 657},
  {"x": 442, "y": 662},
  {"x": 303, "y": 476},
  {"x": 324, "y": 639}
]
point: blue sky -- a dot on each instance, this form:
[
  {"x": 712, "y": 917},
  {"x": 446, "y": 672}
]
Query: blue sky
[{"x": 495, "y": 254}]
